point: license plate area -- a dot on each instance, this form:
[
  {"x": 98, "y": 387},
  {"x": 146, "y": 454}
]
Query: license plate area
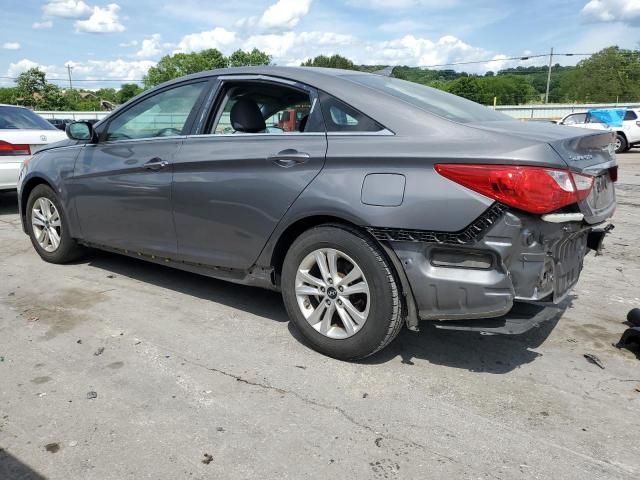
[
  {"x": 568, "y": 260},
  {"x": 602, "y": 193}
]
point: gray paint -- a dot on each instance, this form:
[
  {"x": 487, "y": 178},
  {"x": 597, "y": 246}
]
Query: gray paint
[
  {"x": 383, "y": 189},
  {"x": 221, "y": 203}
]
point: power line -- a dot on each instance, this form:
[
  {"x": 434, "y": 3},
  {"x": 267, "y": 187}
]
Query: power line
[
  {"x": 520, "y": 58},
  {"x": 84, "y": 79}
]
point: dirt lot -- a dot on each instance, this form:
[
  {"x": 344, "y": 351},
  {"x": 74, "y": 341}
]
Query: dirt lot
[{"x": 196, "y": 378}]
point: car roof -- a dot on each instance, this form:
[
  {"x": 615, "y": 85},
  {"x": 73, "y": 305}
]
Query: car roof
[{"x": 382, "y": 107}]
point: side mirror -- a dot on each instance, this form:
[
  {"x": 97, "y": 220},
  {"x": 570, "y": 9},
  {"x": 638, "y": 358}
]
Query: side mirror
[{"x": 82, "y": 131}]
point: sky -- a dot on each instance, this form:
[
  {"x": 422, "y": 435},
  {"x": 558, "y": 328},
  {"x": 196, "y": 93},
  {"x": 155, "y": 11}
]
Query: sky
[{"x": 110, "y": 43}]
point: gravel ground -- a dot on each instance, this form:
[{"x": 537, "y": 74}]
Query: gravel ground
[{"x": 112, "y": 368}]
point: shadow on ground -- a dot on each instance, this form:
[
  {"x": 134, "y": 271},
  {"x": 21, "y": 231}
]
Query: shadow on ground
[
  {"x": 466, "y": 350},
  {"x": 13, "y": 469},
  {"x": 257, "y": 301},
  {"x": 8, "y": 203}
]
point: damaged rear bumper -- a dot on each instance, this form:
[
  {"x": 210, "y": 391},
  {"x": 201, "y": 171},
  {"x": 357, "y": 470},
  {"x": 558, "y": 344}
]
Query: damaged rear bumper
[{"x": 505, "y": 276}]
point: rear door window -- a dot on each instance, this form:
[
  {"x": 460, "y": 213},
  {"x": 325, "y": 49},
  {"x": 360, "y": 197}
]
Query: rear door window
[{"x": 630, "y": 115}]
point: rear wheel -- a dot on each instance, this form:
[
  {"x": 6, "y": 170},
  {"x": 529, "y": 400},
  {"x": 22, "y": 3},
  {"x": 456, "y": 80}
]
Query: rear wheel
[
  {"x": 621, "y": 144},
  {"x": 340, "y": 291},
  {"x": 48, "y": 227}
]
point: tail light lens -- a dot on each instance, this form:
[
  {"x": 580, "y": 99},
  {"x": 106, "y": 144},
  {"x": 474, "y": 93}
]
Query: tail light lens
[
  {"x": 11, "y": 149},
  {"x": 532, "y": 189}
]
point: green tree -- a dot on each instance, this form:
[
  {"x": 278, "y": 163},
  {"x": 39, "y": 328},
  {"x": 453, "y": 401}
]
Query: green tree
[
  {"x": 241, "y": 58},
  {"x": 468, "y": 87},
  {"x": 180, "y": 64},
  {"x": 51, "y": 98},
  {"x": 30, "y": 86},
  {"x": 127, "y": 92},
  {"x": 8, "y": 95},
  {"x": 334, "y": 61},
  {"x": 612, "y": 74}
]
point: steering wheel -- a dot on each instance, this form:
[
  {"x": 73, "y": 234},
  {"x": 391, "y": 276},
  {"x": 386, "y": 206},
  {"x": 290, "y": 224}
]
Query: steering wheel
[{"x": 167, "y": 132}]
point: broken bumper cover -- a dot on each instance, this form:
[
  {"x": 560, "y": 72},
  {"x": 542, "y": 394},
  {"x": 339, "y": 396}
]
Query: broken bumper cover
[
  {"x": 520, "y": 319},
  {"x": 514, "y": 272}
]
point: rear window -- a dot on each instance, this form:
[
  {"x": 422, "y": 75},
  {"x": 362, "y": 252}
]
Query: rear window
[
  {"x": 16, "y": 118},
  {"x": 630, "y": 115},
  {"x": 430, "y": 99}
]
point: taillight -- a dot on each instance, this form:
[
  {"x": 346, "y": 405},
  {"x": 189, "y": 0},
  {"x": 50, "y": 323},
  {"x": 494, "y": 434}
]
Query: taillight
[
  {"x": 9, "y": 149},
  {"x": 532, "y": 189}
]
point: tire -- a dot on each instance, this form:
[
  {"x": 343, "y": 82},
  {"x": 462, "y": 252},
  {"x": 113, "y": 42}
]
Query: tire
[
  {"x": 333, "y": 334},
  {"x": 66, "y": 249},
  {"x": 621, "y": 143}
]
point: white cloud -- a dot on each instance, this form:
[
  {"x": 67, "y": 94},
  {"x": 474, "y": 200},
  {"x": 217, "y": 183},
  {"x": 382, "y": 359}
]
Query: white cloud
[
  {"x": 11, "y": 45},
  {"x": 102, "y": 20},
  {"x": 292, "y": 48},
  {"x": 25, "y": 64},
  {"x": 112, "y": 69},
  {"x": 627, "y": 11},
  {"x": 42, "y": 25},
  {"x": 66, "y": 9},
  {"x": 132, "y": 43},
  {"x": 119, "y": 70},
  {"x": 284, "y": 14},
  {"x": 150, "y": 47},
  {"x": 216, "y": 38}
]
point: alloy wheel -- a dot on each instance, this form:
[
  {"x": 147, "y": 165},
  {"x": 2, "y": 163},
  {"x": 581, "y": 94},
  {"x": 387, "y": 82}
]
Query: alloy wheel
[
  {"x": 332, "y": 293},
  {"x": 46, "y": 224}
]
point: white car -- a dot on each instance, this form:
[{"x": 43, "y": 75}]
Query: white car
[
  {"x": 626, "y": 136},
  {"x": 22, "y": 133}
]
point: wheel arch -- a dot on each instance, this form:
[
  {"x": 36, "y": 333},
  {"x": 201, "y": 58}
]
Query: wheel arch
[
  {"x": 26, "y": 190},
  {"x": 296, "y": 228}
]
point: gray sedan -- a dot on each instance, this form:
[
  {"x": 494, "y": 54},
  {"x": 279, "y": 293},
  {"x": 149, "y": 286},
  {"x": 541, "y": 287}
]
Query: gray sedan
[{"x": 370, "y": 202}]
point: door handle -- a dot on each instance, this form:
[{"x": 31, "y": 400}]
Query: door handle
[
  {"x": 156, "y": 164},
  {"x": 289, "y": 157}
]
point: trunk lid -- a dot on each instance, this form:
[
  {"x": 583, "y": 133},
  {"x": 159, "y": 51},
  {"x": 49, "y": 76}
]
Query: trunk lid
[
  {"x": 582, "y": 150},
  {"x": 36, "y": 139}
]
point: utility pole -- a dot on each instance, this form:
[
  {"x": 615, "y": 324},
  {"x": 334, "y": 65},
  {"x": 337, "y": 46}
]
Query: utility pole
[
  {"x": 546, "y": 97},
  {"x": 69, "y": 68}
]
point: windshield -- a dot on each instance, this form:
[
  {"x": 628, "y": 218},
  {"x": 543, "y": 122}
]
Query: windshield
[
  {"x": 430, "y": 99},
  {"x": 16, "y": 118}
]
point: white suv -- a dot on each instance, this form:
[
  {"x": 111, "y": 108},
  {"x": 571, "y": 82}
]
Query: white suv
[{"x": 626, "y": 136}]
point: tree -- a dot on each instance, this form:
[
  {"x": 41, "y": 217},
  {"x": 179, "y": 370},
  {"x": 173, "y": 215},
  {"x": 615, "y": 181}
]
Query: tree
[
  {"x": 469, "y": 88},
  {"x": 30, "y": 86},
  {"x": 8, "y": 95},
  {"x": 612, "y": 74},
  {"x": 51, "y": 98},
  {"x": 334, "y": 61},
  {"x": 241, "y": 58},
  {"x": 180, "y": 64},
  {"x": 127, "y": 92}
]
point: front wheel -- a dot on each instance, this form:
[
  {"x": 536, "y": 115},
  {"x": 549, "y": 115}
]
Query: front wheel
[
  {"x": 48, "y": 227},
  {"x": 341, "y": 293}
]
